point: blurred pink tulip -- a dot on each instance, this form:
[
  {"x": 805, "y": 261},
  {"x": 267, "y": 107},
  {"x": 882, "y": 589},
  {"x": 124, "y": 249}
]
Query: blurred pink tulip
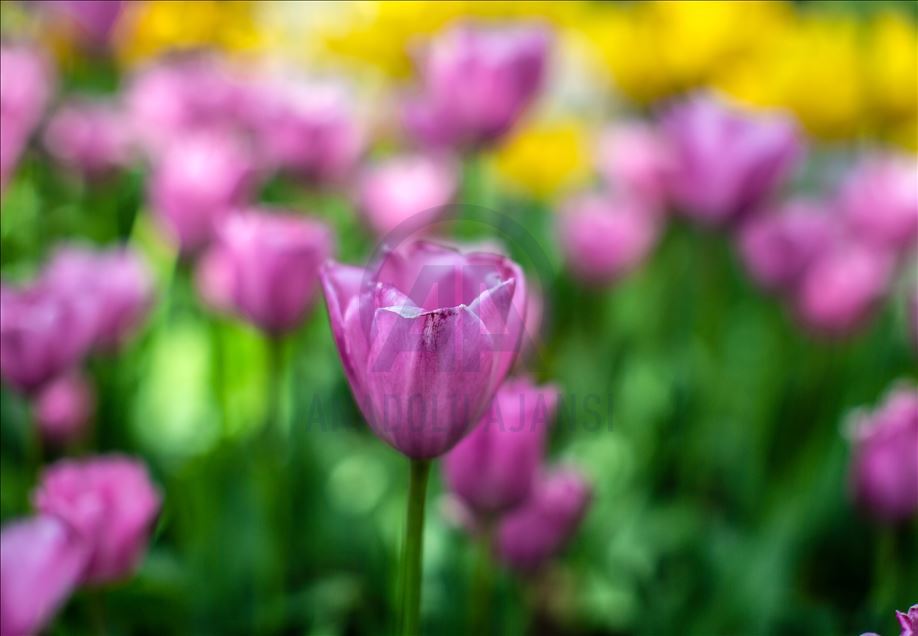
[
  {"x": 635, "y": 159},
  {"x": 196, "y": 183},
  {"x": 307, "y": 129},
  {"x": 274, "y": 261},
  {"x": 880, "y": 201},
  {"x": 214, "y": 279},
  {"x": 425, "y": 338},
  {"x": 604, "y": 238},
  {"x": 91, "y": 138},
  {"x": 841, "y": 286},
  {"x": 41, "y": 563},
  {"x": 529, "y": 536},
  {"x": 110, "y": 502},
  {"x": 476, "y": 82},
  {"x": 63, "y": 409},
  {"x": 114, "y": 287},
  {"x": 727, "y": 161},
  {"x": 92, "y": 22},
  {"x": 778, "y": 245},
  {"x": 42, "y": 336},
  {"x": 885, "y": 457},
  {"x": 407, "y": 192},
  {"x": 494, "y": 467}
]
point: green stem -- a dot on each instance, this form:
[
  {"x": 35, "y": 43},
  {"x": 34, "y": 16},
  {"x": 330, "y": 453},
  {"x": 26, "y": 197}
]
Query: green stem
[
  {"x": 414, "y": 548},
  {"x": 482, "y": 583},
  {"x": 218, "y": 370},
  {"x": 274, "y": 388}
]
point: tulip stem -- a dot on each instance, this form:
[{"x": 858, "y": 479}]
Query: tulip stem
[
  {"x": 274, "y": 391},
  {"x": 481, "y": 582},
  {"x": 414, "y": 547}
]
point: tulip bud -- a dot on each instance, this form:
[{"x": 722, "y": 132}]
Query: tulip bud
[
  {"x": 425, "y": 338},
  {"x": 531, "y": 535},
  {"x": 274, "y": 262},
  {"x": 493, "y": 469},
  {"x": 410, "y": 190},
  {"x": 727, "y": 161},
  {"x": 880, "y": 201},
  {"x": 476, "y": 82},
  {"x": 41, "y": 562},
  {"x": 197, "y": 182},
  {"x": 64, "y": 409},
  {"x": 885, "y": 457},
  {"x": 110, "y": 502},
  {"x": 90, "y": 138},
  {"x": 604, "y": 238},
  {"x": 778, "y": 246}
]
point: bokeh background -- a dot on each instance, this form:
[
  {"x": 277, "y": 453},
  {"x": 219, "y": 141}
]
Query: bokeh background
[{"x": 721, "y": 465}]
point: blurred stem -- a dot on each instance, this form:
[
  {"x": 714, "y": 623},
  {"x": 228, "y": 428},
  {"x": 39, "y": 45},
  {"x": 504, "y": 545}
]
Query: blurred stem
[
  {"x": 274, "y": 389},
  {"x": 884, "y": 570},
  {"x": 414, "y": 547},
  {"x": 97, "y": 608},
  {"x": 218, "y": 369},
  {"x": 482, "y": 582}
]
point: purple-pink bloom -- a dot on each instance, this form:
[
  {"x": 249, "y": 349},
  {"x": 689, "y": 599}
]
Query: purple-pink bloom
[
  {"x": 41, "y": 563},
  {"x": 884, "y": 466},
  {"x": 880, "y": 200},
  {"x": 604, "y": 237},
  {"x": 476, "y": 82},
  {"x": 110, "y": 502},
  {"x": 197, "y": 182},
  {"x": 409, "y": 192},
  {"x": 908, "y": 621},
  {"x": 213, "y": 277},
  {"x": 839, "y": 289},
  {"x": 42, "y": 335},
  {"x": 529, "y": 536},
  {"x": 636, "y": 160},
  {"x": 778, "y": 245},
  {"x": 63, "y": 409},
  {"x": 92, "y": 138},
  {"x": 113, "y": 287},
  {"x": 426, "y": 335},
  {"x": 92, "y": 22},
  {"x": 494, "y": 467},
  {"x": 274, "y": 260},
  {"x": 726, "y": 160}
]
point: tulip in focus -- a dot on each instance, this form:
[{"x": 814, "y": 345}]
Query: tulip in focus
[
  {"x": 727, "y": 161},
  {"x": 110, "y": 502},
  {"x": 409, "y": 190},
  {"x": 476, "y": 82},
  {"x": 197, "y": 182},
  {"x": 778, "y": 246},
  {"x": 635, "y": 160},
  {"x": 880, "y": 201},
  {"x": 42, "y": 336},
  {"x": 273, "y": 261},
  {"x": 90, "y": 138},
  {"x": 884, "y": 467},
  {"x": 531, "y": 535},
  {"x": 63, "y": 410},
  {"x": 908, "y": 621},
  {"x": 603, "y": 237},
  {"x": 41, "y": 563},
  {"x": 839, "y": 289},
  {"x": 425, "y": 339},
  {"x": 493, "y": 469}
]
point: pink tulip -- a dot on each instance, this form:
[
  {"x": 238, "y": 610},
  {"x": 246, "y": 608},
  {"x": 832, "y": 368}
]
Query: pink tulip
[
  {"x": 41, "y": 562},
  {"x": 214, "y": 279},
  {"x": 529, "y": 536},
  {"x": 309, "y": 130},
  {"x": 425, "y": 338},
  {"x": 778, "y": 246},
  {"x": 908, "y": 621},
  {"x": 885, "y": 457},
  {"x": 42, "y": 336},
  {"x": 197, "y": 182},
  {"x": 476, "y": 82},
  {"x": 110, "y": 502},
  {"x": 839, "y": 288},
  {"x": 274, "y": 261},
  {"x": 91, "y": 138},
  {"x": 408, "y": 193},
  {"x": 113, "y": 287},
  {"x": 603, "y": 238},
  {"x": 92, "y": 22},
  {"x": 63, "y": 409},
  {"x": 635, "y": 159},
  {"x": 494, "y": 467},
  {"x": 880, "y": 201},
  {"x": 727, "y": 161}
]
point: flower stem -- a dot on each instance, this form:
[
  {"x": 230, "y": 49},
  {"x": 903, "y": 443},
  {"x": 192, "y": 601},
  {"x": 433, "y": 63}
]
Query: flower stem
[
  {"x": 482, "y": 583},
  {"x": 274, "y": 388},
  {"x": 414, "y": 548}
]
